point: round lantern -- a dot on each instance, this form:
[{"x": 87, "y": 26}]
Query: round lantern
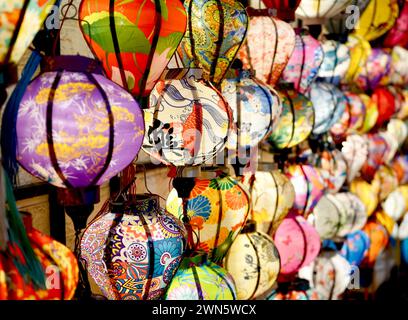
[
  {"x": 398, "y": 35},
  {"x": 378, "y": 17},
  {"x": 377, "y": 150},
  {"x": 378, "y": 242},
  {"x": 329, "y": 103},
  {"x": 329, "y": 275},
  {"x": 316, "y": 11},
  {"x": 298, "y": 244},
  {"x": 299, "y": 289},
  {"x": 386, "y": 105},
  {"x": 355, "y": 152},
  {"x": 377, "y": 66},
  {"x": 284, "y": 9},
  {"x": 58, "y": 262},
  {"x": 135, "y": 40},
  {"x": 392, "y": 145},
  {"x": 355, "y": 247},
  {"x": 386, "y": 177},
  {"x": 199, "y": 279},
  {"x": 76, "y": 128},
  {"x": 133, "y": 252},
  {"x": 360, "y": 50},
  {"x": 399, "y": 69},
  {"x": 394, "y": 205},
  {"x": 272, "y": 197},
  {"x": 253, "y": 262},
  {"x": 218, "y": 208},
  {"x": 296, "y": 121},
  {"x": 398, "y": 129},
  {"x": 309, "y": 187},
  {"x": 256, "y": 109},
  {"x": 399, "y": 98},
  {"x": 367, "y": 193},
  {"x": 268, "y": 46},
  {"x": 305, "y": 61},
  {"x": 400, "y": 166},
  {"x": 187, "y": 122},
  {"x": 386, "y": 221},
  {"x": 336, "y": 62},
  {"x": 215, "y": 31},
  {"x": 371, "y": 114}
]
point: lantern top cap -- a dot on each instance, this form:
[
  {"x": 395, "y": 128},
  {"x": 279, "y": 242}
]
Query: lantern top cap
[
  {"x": 73, "y": 63},
  {"x": 250, "y": 227}
]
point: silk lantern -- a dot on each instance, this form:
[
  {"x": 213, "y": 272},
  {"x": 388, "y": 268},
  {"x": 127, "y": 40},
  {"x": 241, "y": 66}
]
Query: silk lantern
[
  {"x": 135, "y": 40},
  {"x": 268, "y": 46},
  {"x": 215, "y": 31},
  {"x": 355, "y": 247},
  {"x": 377, "y": 149},
  {"x": 76, "y": 128},
  {"x": 371, "y": 114},
  {"x": 399, "y": 68},
  {"x": 336, "y": 62},
  {"x": 398, "y": 35},
  {"x": 394, "y": 205},
  {"x": 328, "y": 274},
  {"x": 304, "y": 64},
  {"x": 284, "y": 9},
  {"x": 360, "y": 50},
  {"x": 316, "y": 11},
  {"x": 392, "y": 144},
  {"x": 399, "y": 130},
  {"x": 298, "y": 245},
  {"x": 309, "y": 187},
  {"x": 355, "y": 152},
  {"x": 256, "y": 109},
  {"x": 197, "y": 278},
  {"x": 329, "y": 103},
  {"x": 253, "y": 262},
  {"x": 400, "y": 166},
  {"x": 386, "y": 105},
  {"x": 133, "y": 252},
  {"x": 377, "y": 18},
  {"x": 367, "y": 193},
  {"x": 272, "y": 196},
  {"x": 378, "y": 242},
  {"x": 218, "y": 208},
  {"x": 387, "y": 178},
  {"x": 296, "y": 121},
  {"x": 188, "y": 120},
  {"x": 399, "y": 98}
]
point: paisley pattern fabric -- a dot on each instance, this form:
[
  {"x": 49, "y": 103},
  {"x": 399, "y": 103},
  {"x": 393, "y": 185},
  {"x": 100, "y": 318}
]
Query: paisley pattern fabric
[
  {"x": 377, "y": 66},
  {"x": 134, "y": 255},
  {"x": 34, "y": 16},
  {"x": 254, "y": 264},
  {"x": 355, "y": 152},
  {"x": 201, "y": 280},
  {"x": 315, "y": 11},
  {"x": 213, "y": 40},
  {"x": 335, "y": 63},
  {"x": 305, "y": 62},
  {"x": 187, "y": 121},
  {"x": 377, "y": 149},
  {"x": 218, "y": 209},
  {"x": 256, "y": 109},
  {"x": 298, "y": 244},
  {"x": 269, "y": 45},
  {"x": 329, "y": 104},
  {"x": 296, "y": 121},
  {"x": 272, "y": 197},
  {"x": 400, "y": 166},
  {"x": 80, "y": 127}
]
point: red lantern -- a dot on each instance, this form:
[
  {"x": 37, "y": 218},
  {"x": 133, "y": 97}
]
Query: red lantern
[
  {"x": 284, "y": 9},
  {"x": 386, "y": 105},
  {"x": 398, "y": 35}
]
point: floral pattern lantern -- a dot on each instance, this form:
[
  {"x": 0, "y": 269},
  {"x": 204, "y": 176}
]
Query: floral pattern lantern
[
  {"x": 199, "y": 279},
  {"x": 133, "y": 252},
  {"x": 336, "y": 62},
  {"x": 305, "y": 62},
  {"x": 298, "y": 244},
  {"x": 217, "y": 208},
  {"x": 309, "y": 187},
  {"x": 253, "y": 262},
  {"x": 285, "y": 9},
  {"x": 316, "y": 11},
  {"x": 188, "y": 120},
  {"x": 377, "y": 150},
  {"x": 377, "y": 18},
  {"x": 355, "y": 247},
  {"x": 76, "y": 128},
  {"x": 329, "y": 104},
  {"x": 367, "y": 193},
  {"x": 268, "y": 46},
  {"x": 256, "y": 109},
  {"x": 215, "y": 31},
  {"x": 135, "y": 40},
  {"x": 398, "y": 35},
  {"x": 355, "y": 152},
  {"x": 296, "y": 121},
  {"x": 272, "y": 197},
  {"x": 377, "y": 66},
  {"x": 400, "y": 166}
]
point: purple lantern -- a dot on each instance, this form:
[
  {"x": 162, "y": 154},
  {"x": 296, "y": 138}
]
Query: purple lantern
[{"x": 75, "y": 127}]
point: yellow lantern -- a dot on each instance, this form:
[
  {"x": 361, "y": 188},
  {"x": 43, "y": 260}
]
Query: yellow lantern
[{"x": 367, "y": 192}]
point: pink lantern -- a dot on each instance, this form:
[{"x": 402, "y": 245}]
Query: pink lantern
[{"x": 398, "y": 35}]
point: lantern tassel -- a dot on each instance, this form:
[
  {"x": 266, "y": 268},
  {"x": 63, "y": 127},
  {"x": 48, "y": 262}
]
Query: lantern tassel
[{"x": 8, "y": 127}]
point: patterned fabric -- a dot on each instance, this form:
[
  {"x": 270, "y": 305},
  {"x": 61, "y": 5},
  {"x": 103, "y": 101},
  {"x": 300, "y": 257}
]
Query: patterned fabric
[
  {"x": 377, "y": 149},
  {"x": 355, "y": 152},
  {"x": 296, "y": 121},
  {"x": 371, "y": 114},
  {"x": 378, "y": 242},
  {"x": 398, "y": 35},
  {"x": 34, "y": 16},
  {"x": 80, "y": 127},
  {"x": 329, "y": 104},
  {"x": 254, "y": 264},
  {"x": 272, "y": 197},
  {"x": 269, "y": 45},
  {"x": 377, "y": 18},
  {"x": 355, "y": 247},
  {"x": 298, "y": 244},
  {"x": 335, "y": 63},
  {"x": 201, "y": 281},
  {"x": 360, "y": 50},
  {"x": 367, "y": 193},
  {"x": 187, "y": 121},
  {"x": 305, "y": 61},
  {"x": 399, "y": 68},
  {"x": 141, "y": 60},
  {"x": 256, "y": 109},
  {"x": 213, "y": 41},
  {"x": 400, "y": 166},
  {"x": 377, "y": 66},
  {"x": 218, "y": 209},
  {"x": 309, "y": 187},
  {"x": 134, "y": 255}
]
